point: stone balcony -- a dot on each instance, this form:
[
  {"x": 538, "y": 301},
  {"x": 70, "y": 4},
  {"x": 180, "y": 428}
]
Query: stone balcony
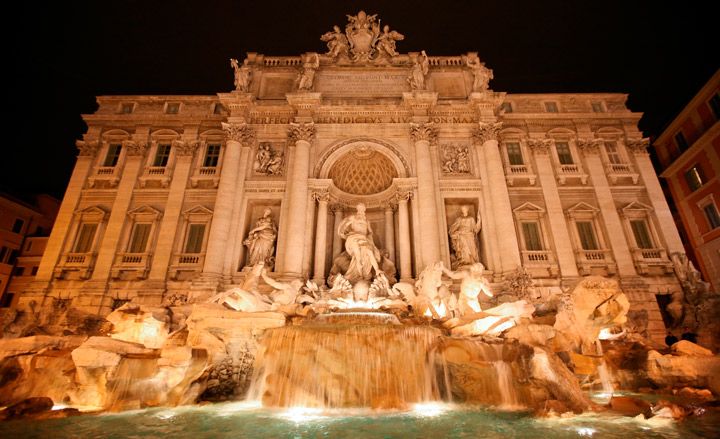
[
  {"x": 540, "y": 262},
  {"x": 519, "y": 172},
  {"x": 651, "y": 259},
  {"x": 571, "y": 172},
  {"x": 206, "y": 176},
  {"x": 588, "y": 260},
  {"x": 80, "y": 263},
  {"x": 156, "y": 176},
  {"x": 184, "y": 264},
  {"x": 131, "y": 266},
  {"x": 104, "y": 176},
  {"x": 619, "y": 171}
]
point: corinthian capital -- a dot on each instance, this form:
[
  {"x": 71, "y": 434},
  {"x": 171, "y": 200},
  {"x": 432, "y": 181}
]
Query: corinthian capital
[
  {"x": 321, "y": 196},
  {"x": 87, "y": 148},
  {"x": 239, "y": 132},
  {"x": 589, "y": 146},
  {"x": 134, "y": 148},
  {"x": 423, "y": 131},
  {"x": 637, "y": 146},
  {"x": 185, "y": 148},
  {"x": 301, "y": 131},
  {"x": 486, "y": 131},
  {"x": 539, "y": 146}
]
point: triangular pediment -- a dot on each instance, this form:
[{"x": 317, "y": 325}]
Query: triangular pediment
[
  {"x": 529, "y": 207},
  {"x": 197, "y": 210},
  {"x": 583, "y": 207},
  {"x": 637, "y": 206},
  {"x": 144, "y": 210},
  {"x": 92, "y": 210}
]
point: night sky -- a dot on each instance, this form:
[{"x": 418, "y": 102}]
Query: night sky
[{"x": 660, "y": 54}]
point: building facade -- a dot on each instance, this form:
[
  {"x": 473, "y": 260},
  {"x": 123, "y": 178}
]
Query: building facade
[
  {"x": 169, "y": 192},
  {"x": 24, "y": 229},
  {"x": 688, "y": 152}
]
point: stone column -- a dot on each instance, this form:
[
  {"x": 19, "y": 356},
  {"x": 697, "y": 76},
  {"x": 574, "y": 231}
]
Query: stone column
[
  {"x": 390, "y": 231},
  {"x": 61, "y": 228},
  {"x": 320, "y": 237},
  {"x": 337, "y": 247},
  {"x": 666, "y": 224},
  {"x": 184, "y": 152},
  {"x": 422, "y": 135},
  {"x": 134, "y": 152},
  {"x": 486, "y": 136},
  {"x": 608, "y": 210},
  {"x": 302, "y": 135},
  {"x": 239, "y": 136},
  {"x": 556, "y": 215},
  {"x": 404, "y": 238}
]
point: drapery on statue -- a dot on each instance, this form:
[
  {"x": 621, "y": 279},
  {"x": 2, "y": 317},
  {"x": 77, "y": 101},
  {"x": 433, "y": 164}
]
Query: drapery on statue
[
  {"x": 481, "y": 74},
  {"x": 261, "y": 241},
  {"x": 359, "y": 244},
  {"x": 242, "y": 74},
  {"x": 307, "y": 76},
  {"x": 386, "y": 42},
  {"x": 337, "y": 43},
  {"x": 463, "y": 233},
  {"x": 420, "y": 68}
]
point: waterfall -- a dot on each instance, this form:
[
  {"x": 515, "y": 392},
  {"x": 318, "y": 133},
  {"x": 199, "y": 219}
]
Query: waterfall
[
  {"x": 505, "y": 384},
  {"x": 348, "y": 365}
]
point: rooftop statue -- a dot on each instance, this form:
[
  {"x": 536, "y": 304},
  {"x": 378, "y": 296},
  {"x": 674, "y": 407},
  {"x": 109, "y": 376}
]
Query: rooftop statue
[
  {"x": 421, "y": 66},
  {"x": 337, "y": 43},
  {"x": 307, "y": 76},
  {"x": 363, "y": 40},
  {"x": 481, "y": 74},
  {"x": 243, "y": 75}
]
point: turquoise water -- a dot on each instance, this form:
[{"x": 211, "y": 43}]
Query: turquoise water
[{"x": 237, "y": 420}]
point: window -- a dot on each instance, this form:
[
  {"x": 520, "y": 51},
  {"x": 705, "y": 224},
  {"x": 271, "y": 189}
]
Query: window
[
  {"x": 212, "y": 155},
  {"x": 3, "y": 253},
  {"x": 85, "y": 238},
  {"x": 681, "y": 142},
  {"x": 113, "y": 154},
  {"x": 551, "y": 107},
  {"x": 506, "y": 107},
  {"x": 39, "y": 231},
  {"x": 563, "y": 152},
  {"x": 12, "y": 256},
  {"x": 712, "y": 215},
  {"x": 612, "y": 153},
  {"x": 28, "y": 246},
  {"x": 34, "y": 270},
  {"x": 695, "y": 177},
  {"x": 127, "y": 108},
  {"x": 218, "y": 109},
  {"x": 597, "y": 107},
  {"x": 162, "y": 155},
  {"x": 714, "y": 104},
  {"x": 172, "y": 108},
  {"x": 533, "y": 239},
  {"x": 18, "y": 225},
  {"x": 642, "y": 234},
  {"x": 139, "y": 238},
  {"x": 587, "y": 235},
  {"x": 514, "y": 153},
  {"x": 6, "y": 300},
  {"x": 18, "y": 271},
  {"x": 194, "y": 241}
]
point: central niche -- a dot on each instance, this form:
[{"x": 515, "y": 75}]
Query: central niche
[{"x": 363, "y": 171}]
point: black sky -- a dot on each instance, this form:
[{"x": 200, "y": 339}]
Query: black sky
[{"x": 64, "y": 54}]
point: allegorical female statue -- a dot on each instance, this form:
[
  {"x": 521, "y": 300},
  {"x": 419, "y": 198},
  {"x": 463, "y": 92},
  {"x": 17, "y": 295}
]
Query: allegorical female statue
[
  {"x": 463, "y": 237},
  {"x": 261, "y": 241},
  {"x": 359, "y": 244}
]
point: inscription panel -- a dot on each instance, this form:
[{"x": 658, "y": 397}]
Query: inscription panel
[{"x": 362, "y": 83}]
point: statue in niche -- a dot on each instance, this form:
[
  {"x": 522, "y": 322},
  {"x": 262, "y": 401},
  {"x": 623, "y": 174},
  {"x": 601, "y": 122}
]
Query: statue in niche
[
  {"x": 386, "y": 42},
  {"x": 463, "y": 237},
  {"x": 268, "y": 161},
  {"x": 307, "y": 76},
  {"x": 456, "y": 159},
  {"x": 481, "y": 74},
  {"x": 473, "y": 283},
  {"x": 242, "y": 75},
  {"x": 261, "y": 241},
  {"x": 421, "y": 66},
  {"x": 337, "y": 43},
  {"x": 360, "y": 247}
]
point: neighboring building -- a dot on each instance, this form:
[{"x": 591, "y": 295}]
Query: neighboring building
[
  {"x": 24, "y": 228},
  {"x": 688, "y": 152},
  {"x": 166, "y": 188}
]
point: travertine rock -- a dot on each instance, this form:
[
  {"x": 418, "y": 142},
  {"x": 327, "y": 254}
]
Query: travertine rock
[
  {"x": 148, "y": 326},
  {"x": 682, "y": 371},
  {"x": 684, "y": 347}
]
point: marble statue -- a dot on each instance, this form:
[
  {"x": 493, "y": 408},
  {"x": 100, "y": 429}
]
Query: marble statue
[
  {"x": 284, "y": 293},
  {"x": 421, "y": 66},
  {"x": 268, "y": 161},
  {"x": 362, "y": 32},
  {"x": 307, "y": 76},
  {"x": 243, "y": 75},
  {"x": 431, "y": 294},
  {"x": 386, "y": 42},
  {"x": 472, "y": 284},
  {"x": 261, "y": 240},
  {"x": 358, "y": 235},
  {"x": 481, "y": 74},
  {"x": 463, "y": 237},
  {"x": 337, "y": 43},
  {"x": 246, "y": 298}
]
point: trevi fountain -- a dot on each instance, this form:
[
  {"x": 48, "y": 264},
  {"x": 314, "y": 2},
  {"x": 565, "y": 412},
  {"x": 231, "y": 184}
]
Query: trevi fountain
[{"x": 475, "y": 344}]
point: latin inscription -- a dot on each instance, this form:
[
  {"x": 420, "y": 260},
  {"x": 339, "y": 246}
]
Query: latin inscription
[{"x": 362, "y": 84}]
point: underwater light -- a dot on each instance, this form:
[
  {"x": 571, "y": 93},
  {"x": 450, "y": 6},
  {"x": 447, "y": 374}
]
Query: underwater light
[
  {"x": 301, "y": 414},
  {"x": 429, "y": 409},
  {"x": 585, "y": 431}
]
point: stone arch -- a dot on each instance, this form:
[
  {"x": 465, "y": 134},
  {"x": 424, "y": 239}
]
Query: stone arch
[
  {"x": 561, "y": 132},
  {"x": 335, "y": 152},
  {"x": 115, "y": 134},
  {"x": 164, "y": 133}
]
